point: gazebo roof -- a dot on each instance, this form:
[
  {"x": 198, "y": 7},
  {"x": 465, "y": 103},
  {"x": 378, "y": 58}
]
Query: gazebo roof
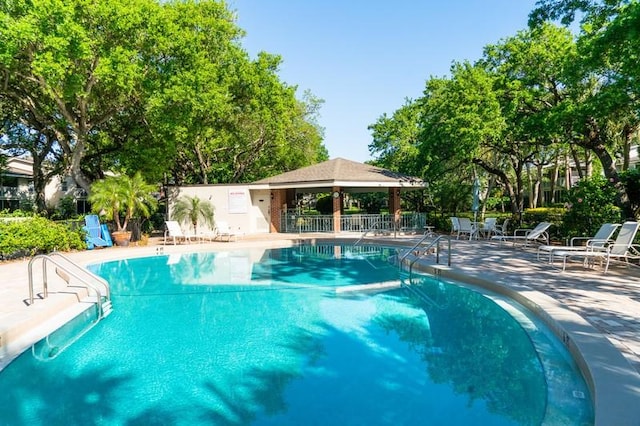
[{"x": 350, "y": 175}]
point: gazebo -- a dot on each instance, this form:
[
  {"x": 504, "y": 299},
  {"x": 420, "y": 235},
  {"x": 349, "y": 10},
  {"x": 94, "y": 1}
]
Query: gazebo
[{"x": 337, "y": 176}]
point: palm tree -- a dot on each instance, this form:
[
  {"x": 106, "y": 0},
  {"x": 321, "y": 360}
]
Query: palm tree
[
  {"x": 122, "y": 197},
  {"x": 192, "y": 209},
  {"x": 138, "y": 198}
]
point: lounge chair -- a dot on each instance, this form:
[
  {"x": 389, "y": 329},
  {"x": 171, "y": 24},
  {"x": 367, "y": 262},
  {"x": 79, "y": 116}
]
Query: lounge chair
[
  {"x": 599, "y": 240},
  {"x": 537, "y": 235},
  {"x": 223, "y": 230},
  {"x": 97, "y": 234},
  {"x": 621, "y": 249},
  {"x": 207, "y": 234},
  {"x": 174, "y": 232}
]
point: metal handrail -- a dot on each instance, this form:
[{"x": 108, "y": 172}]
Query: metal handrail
[
  {"x": 420, "y": 241},
  {"x": 85, "y": 271},
  {"x": 435, "y": 242},
  {"x": 375, "y": 224},
  {"x": 48, "y": 258}
]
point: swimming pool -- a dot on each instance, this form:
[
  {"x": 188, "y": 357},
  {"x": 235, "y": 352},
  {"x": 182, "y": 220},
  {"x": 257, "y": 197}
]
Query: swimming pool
[{"x": 262, "y": 336}]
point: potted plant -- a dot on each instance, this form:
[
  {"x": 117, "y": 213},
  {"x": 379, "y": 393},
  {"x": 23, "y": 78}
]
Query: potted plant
[
  {"x": 120, "y": 198},
  {"x": 192, "y": 209}
]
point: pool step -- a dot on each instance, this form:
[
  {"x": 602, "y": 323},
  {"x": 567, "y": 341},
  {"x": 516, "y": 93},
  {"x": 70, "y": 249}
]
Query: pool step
[
  {"x": 32, "y": 323},
  {"x": 359, "y": 288},
  {"x": 107, "y": 308}
]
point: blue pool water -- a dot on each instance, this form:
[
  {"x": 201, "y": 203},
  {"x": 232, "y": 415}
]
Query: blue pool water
[{"x": 262, "y": 337}]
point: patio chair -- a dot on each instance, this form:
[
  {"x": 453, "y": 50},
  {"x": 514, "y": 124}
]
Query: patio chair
[
  {"x": 621, "y": 249},
  {"x": 489, "y": 227},
  {"x": 466, "y": 227},
  {"x": 502, "y": 229},
  {"x": 537, "y": 235},
  {"x": 174, "y": 232},
  {"x": 599, "y": 240},
  {"x": 223, "y": 230},
  {"x": 97, "y": 234},
  {"x": 455, "y": 225}
]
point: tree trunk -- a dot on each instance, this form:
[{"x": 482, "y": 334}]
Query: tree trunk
[
  {"x": 594, "y": 141},
  {"x": 588, "y": 164},
  {"x": 567, "y": 172},
  {"x": 515, "y": 193},
  {"x": 553, "y": 178},
  {"x": 39, "y": 183},
  {"x": 532, "y": 193},
  {"x": 577, "y": 162},
  {"x": 74, "y": 168},
  {"x": 538, "y": 186}
]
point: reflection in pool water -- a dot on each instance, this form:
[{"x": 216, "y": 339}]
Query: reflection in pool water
[{"x": 261, "y": 337}]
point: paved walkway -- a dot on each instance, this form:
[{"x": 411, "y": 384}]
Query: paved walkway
[{"x": 610, "y": 303}]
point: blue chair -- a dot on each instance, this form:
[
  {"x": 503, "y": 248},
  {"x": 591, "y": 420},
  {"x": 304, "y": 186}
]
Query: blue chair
[{"x": 97, "y": 234}]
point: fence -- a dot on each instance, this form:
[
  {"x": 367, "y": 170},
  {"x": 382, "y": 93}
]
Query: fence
[{"x": 294, "y": 221}]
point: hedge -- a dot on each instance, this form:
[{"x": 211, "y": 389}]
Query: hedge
[{"x": 36, "y": 235}]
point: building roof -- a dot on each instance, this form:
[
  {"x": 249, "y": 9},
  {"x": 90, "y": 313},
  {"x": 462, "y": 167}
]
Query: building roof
[
  {"x": 19, "y": 167},
  {"x": 338, "y": 172}
]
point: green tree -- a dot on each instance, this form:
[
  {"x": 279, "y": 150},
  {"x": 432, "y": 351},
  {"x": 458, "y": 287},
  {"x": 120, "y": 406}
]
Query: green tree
[
  {"x": 192, "y": 209},
  {"x": 603, "y": 116},
  {"x": 395, "y": 139},
  {"x": 462, "y": 124},
  {"x": 119, "y": 84},
  {"x": 73, "y": 65},
  {"x": 239, "y": 123}
]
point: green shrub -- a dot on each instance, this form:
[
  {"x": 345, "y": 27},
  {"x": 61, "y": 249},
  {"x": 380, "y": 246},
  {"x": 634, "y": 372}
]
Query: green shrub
[
  {"x": 36, "y": 235},
  {"x": 554, "y": 215},
  {"x": 16, "y": 213},
  {"x": 352, "y": 210},
  {"x": 324, "y": 204},
  {"x": 543, "y": 214},
  {"x": 66, "y": 208},
  {"x": 631, "y": 181},
  {"x": 591, "y": 203}
]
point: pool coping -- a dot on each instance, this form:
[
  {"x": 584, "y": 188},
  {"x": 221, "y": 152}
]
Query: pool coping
[{"x": 613, "y": 382}]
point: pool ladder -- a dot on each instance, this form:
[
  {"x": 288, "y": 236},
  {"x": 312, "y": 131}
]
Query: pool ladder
[
  {"x": 97, "y": 287},
  {"x": 423, "y": 248}
]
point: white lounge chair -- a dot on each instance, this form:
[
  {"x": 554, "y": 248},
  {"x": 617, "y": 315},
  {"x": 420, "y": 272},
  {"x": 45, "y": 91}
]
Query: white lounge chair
[
  {"x": 537, "y": 235},
  {"x": 599, "y": 240},
  {"x": 621, "y": 249},
  {"x": 174, "y": 232},
  {"x": 205, "y": 234},
  {"x": 223, "y": 230}
]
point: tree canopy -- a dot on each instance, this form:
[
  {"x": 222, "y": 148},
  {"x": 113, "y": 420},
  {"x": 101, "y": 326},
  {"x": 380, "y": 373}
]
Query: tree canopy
[
  {"x": 160, "y": 87},
  {"x": 535, "y": 103}
]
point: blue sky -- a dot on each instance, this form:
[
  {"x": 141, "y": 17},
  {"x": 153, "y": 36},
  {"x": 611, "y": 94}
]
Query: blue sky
[{"x": 365, "y": 57}]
